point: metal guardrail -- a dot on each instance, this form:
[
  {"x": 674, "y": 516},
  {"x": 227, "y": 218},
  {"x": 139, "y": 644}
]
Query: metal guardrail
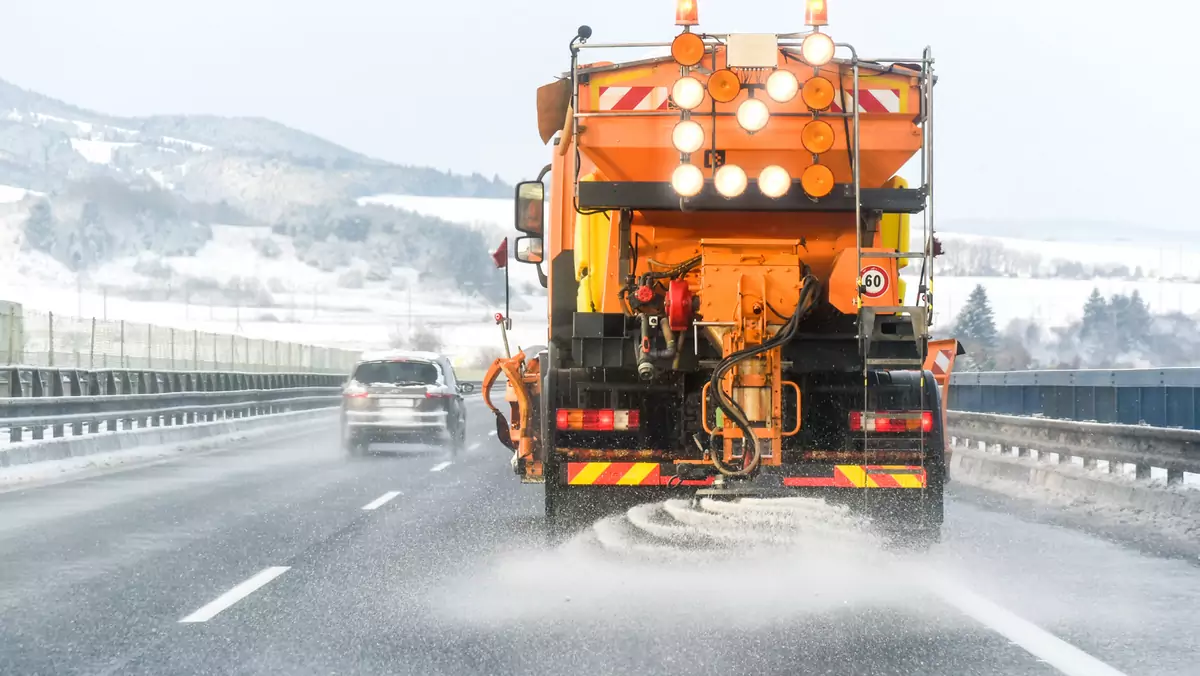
[
  {"x": 1168, "y": 397},
  {"x": 1145, "y": 447},
  {"x": 114, "y": 399},
  {"x": 30, "y": 336}
]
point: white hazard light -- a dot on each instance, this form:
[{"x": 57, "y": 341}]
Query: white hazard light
[
  {"x": 687, "y": 93},
  {"x": 730, "y": 180},
  {"x": 753, "y": 115},
  {"x": 688, "y": 136},
  {"x": 817, "y": 49},
  {"x": 687, "y": 180},
  {"x": 774, "y": 181},
  {"x": 782, "y": 86}
]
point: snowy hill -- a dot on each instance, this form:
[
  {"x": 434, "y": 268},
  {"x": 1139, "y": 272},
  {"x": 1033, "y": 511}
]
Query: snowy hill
[{"x": 254, "y": 280}]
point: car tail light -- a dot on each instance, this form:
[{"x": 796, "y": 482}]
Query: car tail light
[
  {"x": 438, "y": 395},
  {"x": 597, "y": 420},
  {"x": 355, "y": 391},
  {"x": 891, "y": 421}
]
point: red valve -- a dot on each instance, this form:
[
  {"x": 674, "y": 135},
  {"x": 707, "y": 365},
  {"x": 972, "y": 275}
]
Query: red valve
[
  {"x": 645, "y": 294},
  {"x": 499, "y": 317},
  {"x": 679, "y": 305}
]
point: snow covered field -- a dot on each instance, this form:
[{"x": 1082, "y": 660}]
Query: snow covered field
[{"x": 308, "y": 306}]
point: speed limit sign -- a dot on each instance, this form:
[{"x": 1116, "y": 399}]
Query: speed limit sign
[{"x": 875, "y": 281}]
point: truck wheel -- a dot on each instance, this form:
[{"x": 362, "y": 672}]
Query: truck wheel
[
  {"x": 912, "y": 523},
  {"x": 565, "y": 511}
]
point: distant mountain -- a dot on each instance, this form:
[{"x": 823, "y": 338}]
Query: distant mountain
[
  {"x": 97, "y": 187},
  {"x": 256, "y": 165}
]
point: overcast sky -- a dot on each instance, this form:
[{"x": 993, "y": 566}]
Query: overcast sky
[{"x": 1046, "y": 108}]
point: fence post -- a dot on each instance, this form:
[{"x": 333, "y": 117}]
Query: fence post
[
  {"x": 50, "y": 356},
  {"x": 122, "y": 343},
  {"x": 92, "y": 347},
  {"x": 149, "y": 346},
  {"x": 233, "y": 353},
  {"x": 12, "y": 333},
  {"x": 249, "y": 367},
  {"x": 195, "y": 350},
  {"x": 216, "y": 361},
  {"x": 172, "y": 349}
]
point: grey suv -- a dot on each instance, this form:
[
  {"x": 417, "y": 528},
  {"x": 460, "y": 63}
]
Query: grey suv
[{"x": 402, "y": 396}]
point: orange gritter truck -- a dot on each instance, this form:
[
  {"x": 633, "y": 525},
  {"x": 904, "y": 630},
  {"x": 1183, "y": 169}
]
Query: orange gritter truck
[{"x": 723, "y": 231}]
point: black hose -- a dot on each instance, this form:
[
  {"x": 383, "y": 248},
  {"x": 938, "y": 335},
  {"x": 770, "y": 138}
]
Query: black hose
[{"x": 803, "y": 306}]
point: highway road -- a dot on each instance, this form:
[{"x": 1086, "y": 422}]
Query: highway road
[{"x": 288, "y": 558}]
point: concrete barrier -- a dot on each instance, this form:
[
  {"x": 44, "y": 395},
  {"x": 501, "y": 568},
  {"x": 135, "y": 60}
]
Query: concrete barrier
[{"x": 1163, "y": 513}]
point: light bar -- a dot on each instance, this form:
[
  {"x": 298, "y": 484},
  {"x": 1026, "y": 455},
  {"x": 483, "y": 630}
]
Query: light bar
[
  {"x": 891, "y": 421},
  {"x": 597, "y": 420}
]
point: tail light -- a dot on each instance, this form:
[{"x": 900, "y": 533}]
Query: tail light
[
  {"x": 891, "y": 421},
  {"x": 597, "y": 420},
  {"x": 354, "y": 391},
  {"x": 438, "y": 395}
]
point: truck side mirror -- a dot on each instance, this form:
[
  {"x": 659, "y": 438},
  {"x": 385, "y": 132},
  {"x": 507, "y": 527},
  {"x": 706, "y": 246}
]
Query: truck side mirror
[
  {"x": 531, "y": 210},
  {"x": 529, "y": 249}
]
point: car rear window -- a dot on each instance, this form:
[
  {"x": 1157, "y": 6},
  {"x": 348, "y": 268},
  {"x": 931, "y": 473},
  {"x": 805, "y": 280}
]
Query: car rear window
[{"x": 397, "y": 372}]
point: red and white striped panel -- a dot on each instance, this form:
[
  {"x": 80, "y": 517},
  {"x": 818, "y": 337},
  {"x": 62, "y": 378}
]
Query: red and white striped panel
[
  {"x": 872, "y": 101},
  {"x": 941, "y": 362},
  {"x": 634, "y": 98}
]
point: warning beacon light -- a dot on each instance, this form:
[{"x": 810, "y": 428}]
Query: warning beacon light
[
  {"x": 816, "y": 13},
  {"x": 686, "y": 13}
]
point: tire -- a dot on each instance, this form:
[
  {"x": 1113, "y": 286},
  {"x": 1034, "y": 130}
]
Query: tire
[
  {"x": 912, "y": 523},
  {"x": 352, "y": 445},
  {"x": 458, "y": 438}
]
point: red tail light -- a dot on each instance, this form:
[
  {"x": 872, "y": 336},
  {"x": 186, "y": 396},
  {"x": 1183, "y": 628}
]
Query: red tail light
[
  {"x": 438, "y": 395},
  {"x": 891, "y": 421},
  {"x": 597, "y": 420}
]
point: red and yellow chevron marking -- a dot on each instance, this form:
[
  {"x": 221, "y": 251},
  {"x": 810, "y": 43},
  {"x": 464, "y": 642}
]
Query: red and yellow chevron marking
[
  {"x": 613, "y": 474},
  {"x": 864, "y": 476}
]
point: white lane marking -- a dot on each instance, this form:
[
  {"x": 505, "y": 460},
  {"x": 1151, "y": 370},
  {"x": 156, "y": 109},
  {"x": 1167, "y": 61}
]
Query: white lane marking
[
  {"x": 207, "y": 612},
  {"x": 474, "y": 447},
  {"x": 492, "y": 433},
  {"x": 440, "y": 466},
  {"x": 1036, "y": 641},
  {"x": 381, "y": 500}
]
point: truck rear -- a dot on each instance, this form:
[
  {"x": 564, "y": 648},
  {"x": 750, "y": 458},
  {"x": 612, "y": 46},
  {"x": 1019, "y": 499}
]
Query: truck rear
[{"x": 726, "y": 233}]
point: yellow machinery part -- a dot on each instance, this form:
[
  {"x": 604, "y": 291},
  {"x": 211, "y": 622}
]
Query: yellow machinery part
[
  {"x": 591, "y": 256},
  {"x": 893, "y": 228}
]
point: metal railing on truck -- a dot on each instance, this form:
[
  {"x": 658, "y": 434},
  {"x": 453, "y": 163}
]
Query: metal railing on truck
[{"x": 55, "y": 400}]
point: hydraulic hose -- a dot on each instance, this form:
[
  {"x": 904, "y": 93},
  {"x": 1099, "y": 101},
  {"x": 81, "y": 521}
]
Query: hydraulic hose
[{"x": 808, "y": 297}]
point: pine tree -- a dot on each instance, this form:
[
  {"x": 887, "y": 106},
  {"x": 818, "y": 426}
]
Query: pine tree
[
  {"x": 1096, "y": 319},
  {"x": 976, "y": 327},
  {"x": 1132, "y": 319}
]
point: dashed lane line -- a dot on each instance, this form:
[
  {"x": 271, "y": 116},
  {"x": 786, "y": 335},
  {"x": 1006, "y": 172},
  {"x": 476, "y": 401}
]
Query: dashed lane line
[
  {"x": 440, "y": 466},
  {"x": 381, "y": 500},
  {"x": 241, "y": 591}
]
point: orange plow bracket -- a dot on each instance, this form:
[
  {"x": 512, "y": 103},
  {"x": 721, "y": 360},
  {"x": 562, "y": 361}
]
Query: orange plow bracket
[{"x": 940, "y": 361}]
